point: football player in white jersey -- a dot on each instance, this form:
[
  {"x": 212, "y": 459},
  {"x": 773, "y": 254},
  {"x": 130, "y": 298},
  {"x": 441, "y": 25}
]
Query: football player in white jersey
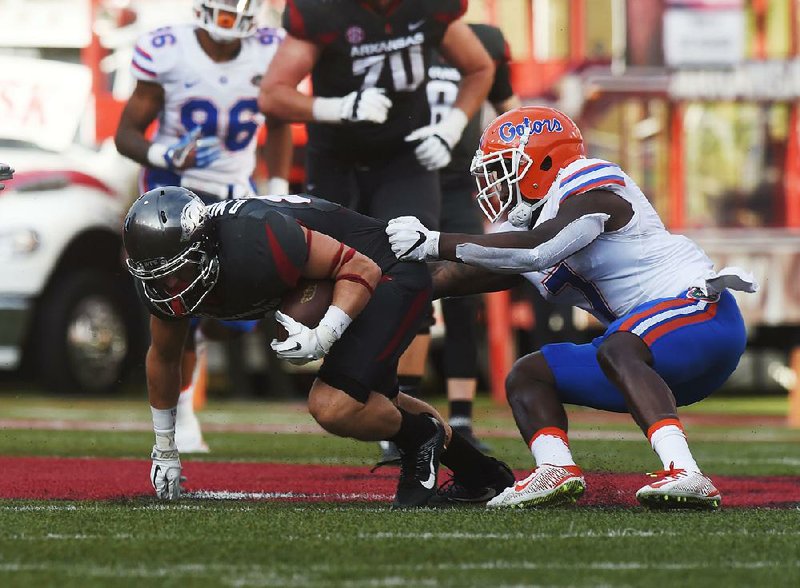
[
  {"x": 584, "y": 234},
  {"x": 200, "y": 81}
]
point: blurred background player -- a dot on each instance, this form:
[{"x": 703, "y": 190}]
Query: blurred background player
[
  {"x": 371, "y": 145},
  {"x": 460, "y": 215},
  {"x": 584, "y": 234},
  {"x": 200, "y": 82}
]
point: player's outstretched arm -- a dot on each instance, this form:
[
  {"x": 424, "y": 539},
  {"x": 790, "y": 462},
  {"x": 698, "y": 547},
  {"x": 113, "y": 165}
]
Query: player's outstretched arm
[
  {"x": 458, "y": 279},
  {"x": 163, "y": 365},
  {"x": 579, "y": 221}
]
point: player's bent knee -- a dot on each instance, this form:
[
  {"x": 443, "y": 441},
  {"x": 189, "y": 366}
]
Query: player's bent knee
[
  {"x": 526, "y": 373},
  {"x": 332, "y": 408}
]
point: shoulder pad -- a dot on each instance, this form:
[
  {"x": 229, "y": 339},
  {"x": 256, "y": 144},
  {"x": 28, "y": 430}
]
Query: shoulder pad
[
  {"x": 155, "y": 53},
  {"x": 584, "y": 175}
]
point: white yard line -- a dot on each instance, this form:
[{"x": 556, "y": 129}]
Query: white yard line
[{"x": 766, "y": 434}]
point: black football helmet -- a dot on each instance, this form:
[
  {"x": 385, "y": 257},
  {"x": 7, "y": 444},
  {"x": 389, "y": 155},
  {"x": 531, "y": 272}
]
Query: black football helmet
[{"x": 167, "y": 237}]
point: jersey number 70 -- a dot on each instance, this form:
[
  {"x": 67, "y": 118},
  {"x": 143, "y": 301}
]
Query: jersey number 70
[{"x": 371, "y": 68}]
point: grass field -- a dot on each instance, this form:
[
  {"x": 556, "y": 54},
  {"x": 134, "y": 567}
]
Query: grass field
[{"x": 290, "y": 538}]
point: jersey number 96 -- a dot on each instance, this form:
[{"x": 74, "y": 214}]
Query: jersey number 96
[{"x": 241, "y": 125}]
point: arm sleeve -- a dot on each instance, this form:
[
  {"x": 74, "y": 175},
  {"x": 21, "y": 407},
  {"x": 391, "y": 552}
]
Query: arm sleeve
[{"x": 571, "y": 239}]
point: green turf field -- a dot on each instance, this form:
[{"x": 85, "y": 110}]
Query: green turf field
[{"x": 271, "y": 543}]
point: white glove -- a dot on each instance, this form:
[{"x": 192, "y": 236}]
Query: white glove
[
  {"x": 177, "y": 156},
  {"x": 165, "y": 474},
  {"x": 410, "y": 240},
  {"x": 437, "y": 141},
  {"x": 369, "y": 105},
  {"x": 303, "y": 344}
]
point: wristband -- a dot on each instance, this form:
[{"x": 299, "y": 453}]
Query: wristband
[
  {"x": 157, "y": 155},
  {"x": 336, "y": 320},
  {"x": 164, "y": 427},
  {"x": 327, "y": 110}
]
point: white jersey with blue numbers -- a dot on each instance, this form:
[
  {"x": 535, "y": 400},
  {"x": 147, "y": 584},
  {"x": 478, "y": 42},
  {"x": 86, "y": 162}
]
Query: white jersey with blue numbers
[
  {"x": 219, "y": 97},
  {"x": 620, "y": 269}
]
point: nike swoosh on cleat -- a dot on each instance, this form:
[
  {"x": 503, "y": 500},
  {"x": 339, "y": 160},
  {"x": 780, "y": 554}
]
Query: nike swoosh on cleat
[
  {"x": 431, "y": 478},
  {"x": 521, "y": 487}
]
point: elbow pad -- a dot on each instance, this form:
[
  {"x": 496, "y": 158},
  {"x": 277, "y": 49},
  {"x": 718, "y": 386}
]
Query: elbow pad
[{"x": 571, "y": 239}]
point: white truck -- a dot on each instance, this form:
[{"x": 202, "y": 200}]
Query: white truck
[{"x": 68, "y": 311}]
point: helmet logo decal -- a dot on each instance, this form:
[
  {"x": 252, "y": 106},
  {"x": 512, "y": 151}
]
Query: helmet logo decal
[
  {"x": 509, "y": 131},
  {"x": 193, "y": 216}
]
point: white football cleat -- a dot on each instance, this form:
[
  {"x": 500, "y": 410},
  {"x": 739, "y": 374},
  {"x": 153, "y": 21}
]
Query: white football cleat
[
  {"x": 679, "y": 488},
  {"x": 547, "y": 485},
  {"x": 188, "y": 436}
]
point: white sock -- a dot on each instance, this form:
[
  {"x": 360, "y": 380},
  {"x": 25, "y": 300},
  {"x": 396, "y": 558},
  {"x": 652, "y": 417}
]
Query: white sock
[
  {"x": 669, "y": 442},
  {"x": 550, "y": 445}
]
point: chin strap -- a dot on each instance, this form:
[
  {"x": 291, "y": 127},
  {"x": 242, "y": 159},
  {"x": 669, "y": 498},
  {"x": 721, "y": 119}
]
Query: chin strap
[{"x": 521, "y": 216}]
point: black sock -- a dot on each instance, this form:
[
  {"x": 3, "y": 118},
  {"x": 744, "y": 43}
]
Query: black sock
[
  {"x": 467, "y": 463},
  {"x": 415, "y": 429},
  {"x": 410, "y": 385},
  {"x": 461, "y": 413}
]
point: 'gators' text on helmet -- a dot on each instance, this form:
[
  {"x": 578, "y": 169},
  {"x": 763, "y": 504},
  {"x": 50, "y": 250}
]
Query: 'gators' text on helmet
[{"x": 519, "y": 157}]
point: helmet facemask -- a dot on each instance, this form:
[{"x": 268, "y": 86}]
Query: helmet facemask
[
  {"x": 227, "y": 20},
  {"x": 498, "y": 175},
  {"x": 177, "y": 286}
]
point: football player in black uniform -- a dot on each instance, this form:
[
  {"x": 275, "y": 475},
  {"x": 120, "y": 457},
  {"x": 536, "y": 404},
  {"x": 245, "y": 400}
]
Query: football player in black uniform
[
  {"x": 235, "y": 260},
  {"x": 460, "y": 215},
  {"x": 371, "y": 144}
]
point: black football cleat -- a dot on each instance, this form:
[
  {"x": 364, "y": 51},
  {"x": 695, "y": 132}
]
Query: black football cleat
[
  {"x": 469, "y": 436},
  {"x": 457, "y": 492},
  {"x": 419, "y": 470}
]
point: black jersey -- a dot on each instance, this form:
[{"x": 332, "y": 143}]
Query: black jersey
[
  {"x": 443, "y": 88},
  {"x": 262, "y": 250},
  {"x": 362, "y": 48}
]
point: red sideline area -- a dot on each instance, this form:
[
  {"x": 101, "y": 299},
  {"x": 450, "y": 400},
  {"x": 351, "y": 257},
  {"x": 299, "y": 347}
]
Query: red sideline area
[{"x": 46, "y": 478}]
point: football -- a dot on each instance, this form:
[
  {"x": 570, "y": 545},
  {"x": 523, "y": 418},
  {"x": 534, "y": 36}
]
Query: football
[{"x": 307, "y": 303}]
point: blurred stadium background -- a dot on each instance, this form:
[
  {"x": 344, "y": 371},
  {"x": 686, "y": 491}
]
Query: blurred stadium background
[{"x": 699, "y": 101}]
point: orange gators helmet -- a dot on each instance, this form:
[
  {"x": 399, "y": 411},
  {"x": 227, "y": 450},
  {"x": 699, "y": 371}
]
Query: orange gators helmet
[{"x": 519, "y": 157}]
